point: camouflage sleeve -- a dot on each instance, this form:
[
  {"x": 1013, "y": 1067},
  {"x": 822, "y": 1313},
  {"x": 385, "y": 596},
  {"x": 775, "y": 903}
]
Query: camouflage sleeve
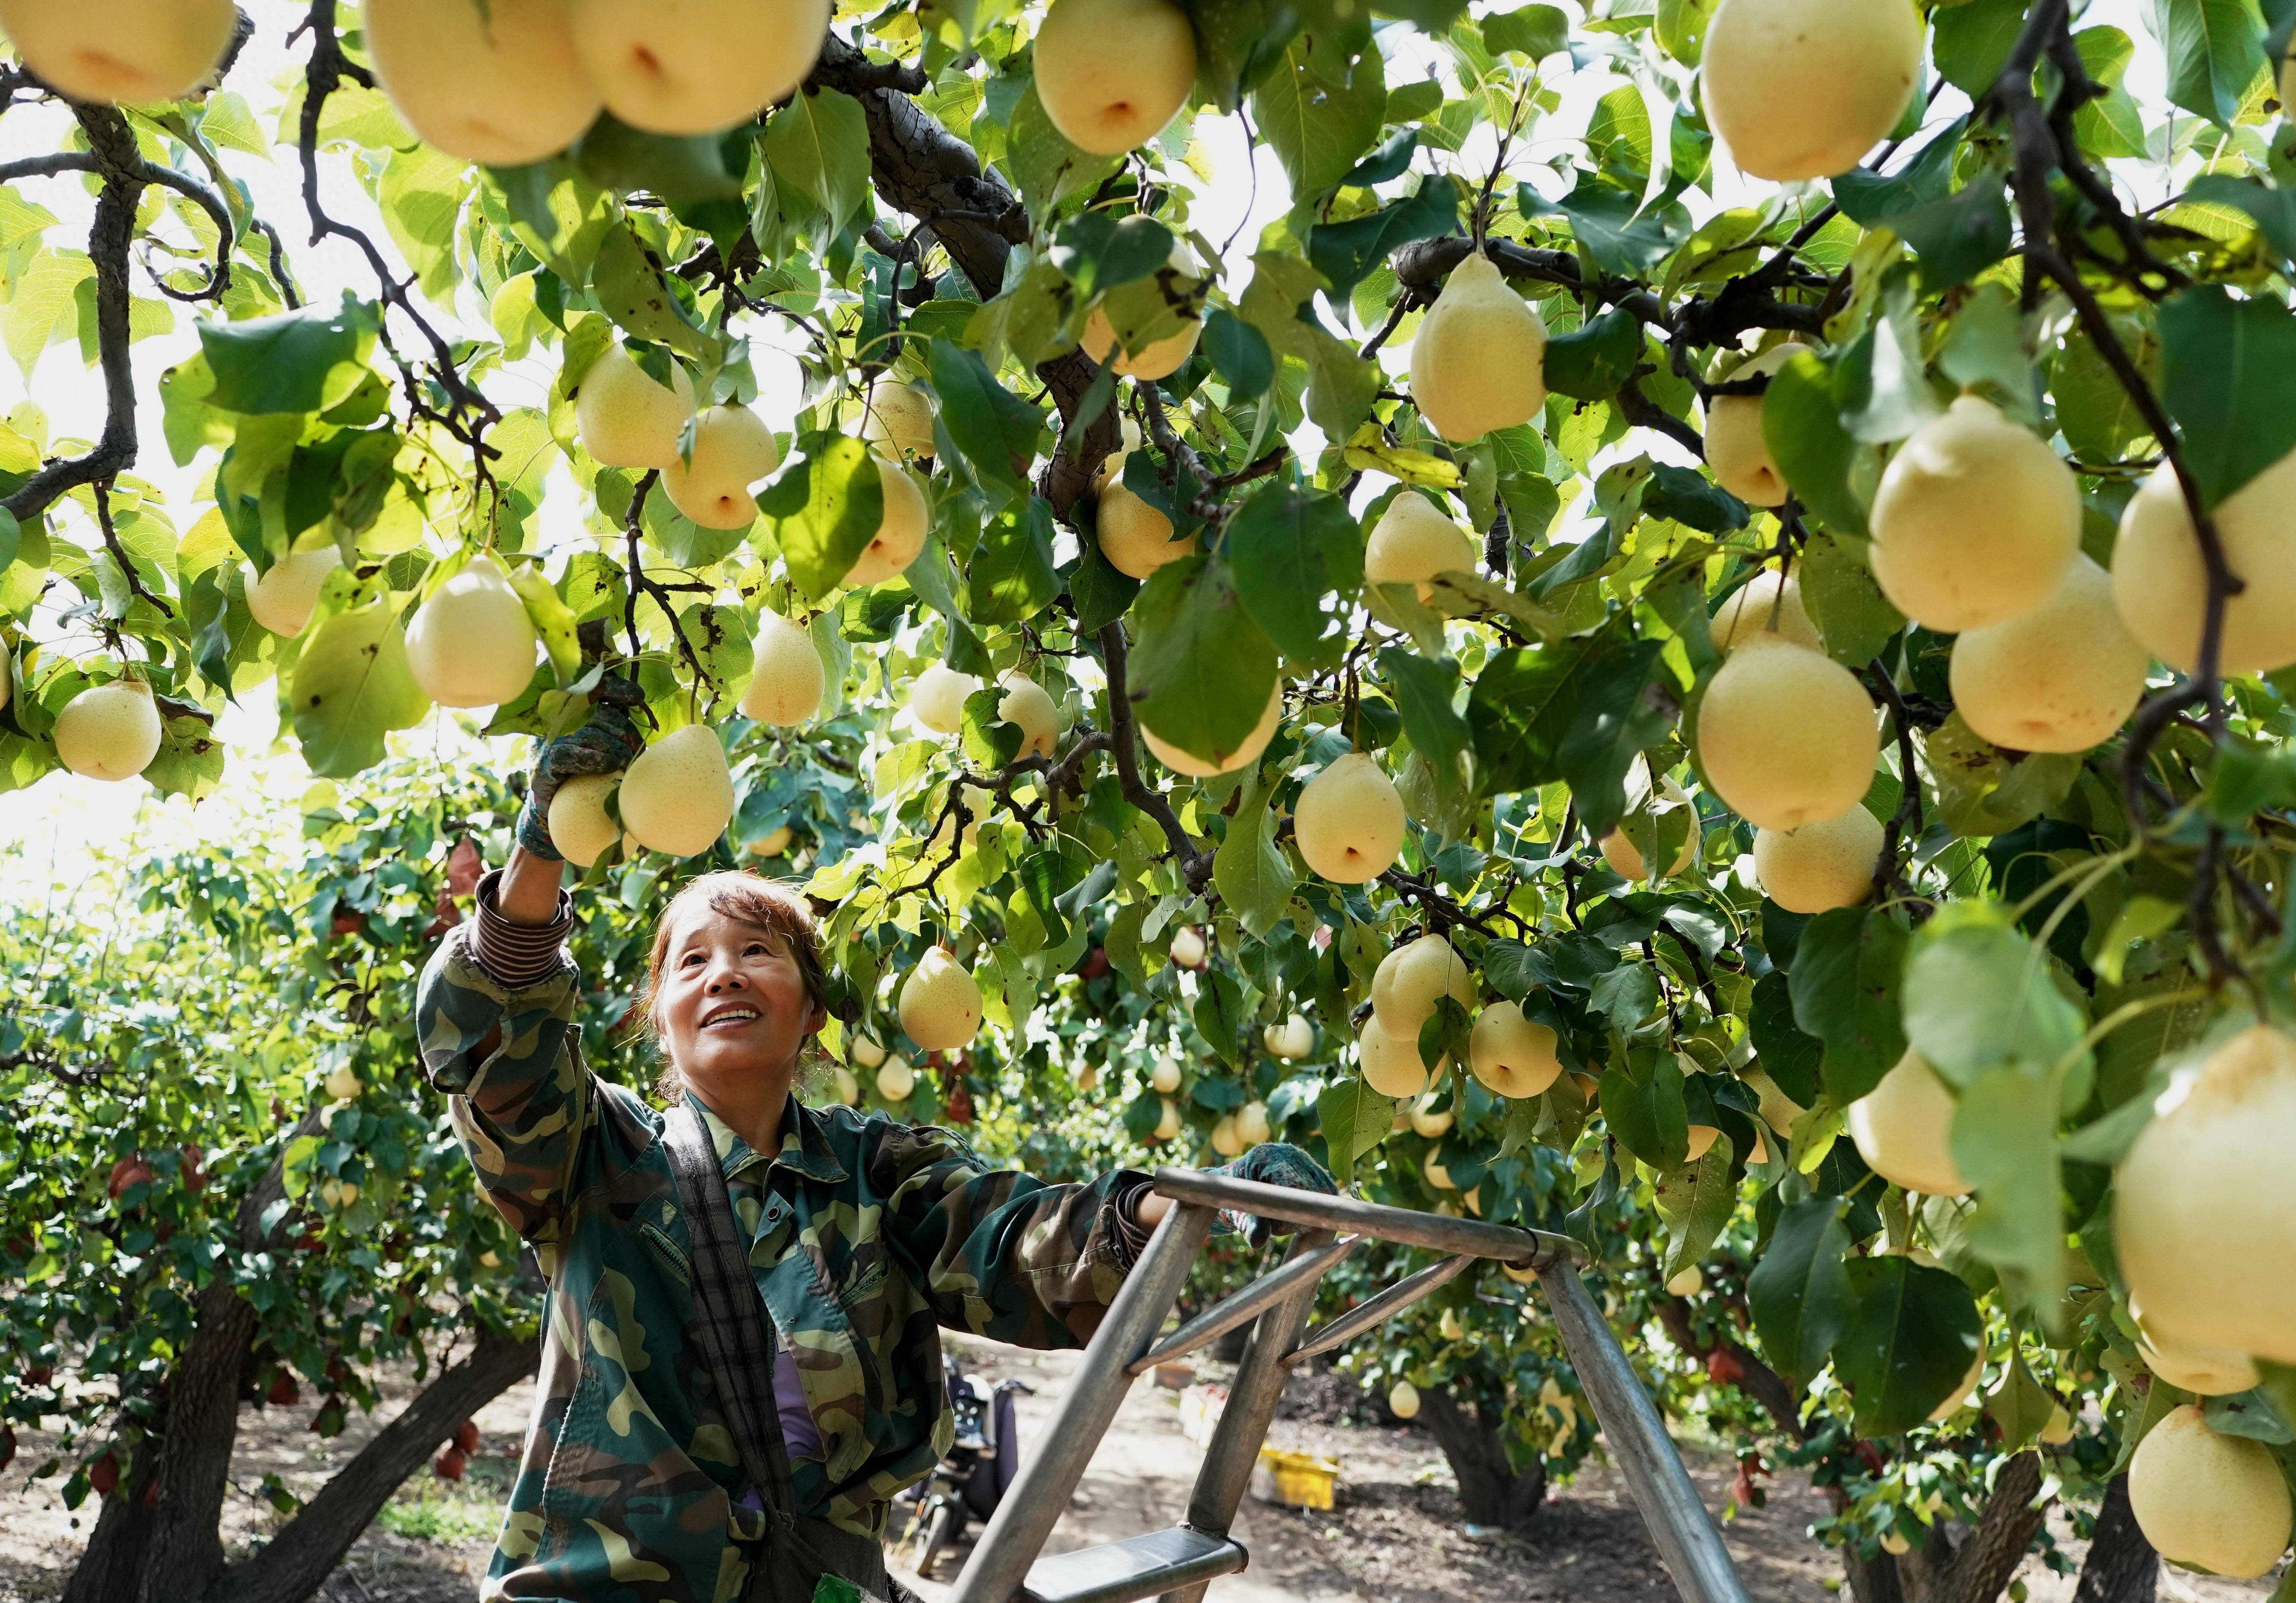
[
  {"x": 999, "y": 1253},
  {"x": 518, "y": 1098}
]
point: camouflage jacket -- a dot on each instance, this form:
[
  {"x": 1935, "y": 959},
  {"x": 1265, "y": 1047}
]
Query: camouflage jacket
[{"x": 864, "y": 1237}]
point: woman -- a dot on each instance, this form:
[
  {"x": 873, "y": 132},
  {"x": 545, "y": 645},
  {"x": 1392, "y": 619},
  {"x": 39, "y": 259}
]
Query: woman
[{"x": 742, "y": 1357}]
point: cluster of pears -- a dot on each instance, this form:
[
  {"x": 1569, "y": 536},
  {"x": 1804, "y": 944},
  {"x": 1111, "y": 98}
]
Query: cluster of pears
[
  {"x": 937, "y": 698},
  {"x": 514, "y": 81},
  {"x": 1512, "y": 1055}
]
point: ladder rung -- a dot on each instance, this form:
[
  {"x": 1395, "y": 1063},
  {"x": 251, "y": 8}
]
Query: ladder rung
[{"x": 1139, "y": 1566}]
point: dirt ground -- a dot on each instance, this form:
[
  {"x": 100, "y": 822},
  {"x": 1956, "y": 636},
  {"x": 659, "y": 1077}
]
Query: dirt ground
[{"x": 1395, "y": 1536}]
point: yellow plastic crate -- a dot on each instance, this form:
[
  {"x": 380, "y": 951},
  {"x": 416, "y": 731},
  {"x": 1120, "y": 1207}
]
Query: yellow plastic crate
[{"x": 1298, "y": 1480}]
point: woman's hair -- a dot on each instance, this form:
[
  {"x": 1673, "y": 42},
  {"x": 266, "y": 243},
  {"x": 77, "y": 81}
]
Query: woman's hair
[{"x": 746, "y": 898}]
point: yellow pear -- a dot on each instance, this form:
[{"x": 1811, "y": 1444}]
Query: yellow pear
[
  {"x": 1351, "y": 822},
  {"x": 899, "y": 419},
  {"x": 1165, "y": 1077},
  {"x": 733, "y": 449},
  {"x": 896, "y": 1081},
  {"x": 1135, "y": 538},
  {"x": 1702, "y": 1138},
  {"x": 579, "y": 824},
  {"x": 1168, "y": 1123},
  {"x": 1182, "y": 762},
  {"x": 679, "y": 796},
  {"x": 121, "y": 52},
  {"x": 1765, "y": 609},
  {"x": 1786, "y": 737},
  {"x": 900, "y": 532},
  {"x": 696, "y": 66},
  {"x": 1779, "y": 1111},
  {"x": 1903, "y": 1130},
  {"x": 1392, "y": 1064},
  {"x": 1251, "y": 1123},
  {"x": 786, "y": 680},
  {"x": 1686, "y": 1283},
  {"x": 2160, "y": 587},
  {"x": 1413, "y": 978},
  {"x": 1088, "y": 1076},
  {"x": 868, "y": 1051},
  {"x": 1402, "y": 1400},
  {"x": 1803, "y": 88},
  {"x": 1111, "y": 73},
  {"x": 624, "y": 418},
  {"x": 1292, "y": 1039},
  {"x": 1821, "y": 866},
  {"x": 1188, "y": 948},
  {"x": 2205, "y": 1220},
  {"x": 773, "y": 843},
  {"x": 1428, "y": 1120},
  {"x": 937, "y": 698},
  {"x": 110, "y": 731},
  {"x": 845, "y": 1089},
  {"x": 1413, "y": 542},
  {"x": 1439, "y": 1176},
  {"x": 497, "y": 85},
  {"x": 1974, "y": 521},
  {"x": 472, "y": 643},
  {"x": 2213, "y": 1501},
  {"x": 1512, "y": 1055},
  {"x": 1625, "y": 859},
  {"x": 2194, "y": 1366},
  {"x": 1158, "y": 359},
  {"x": 1737, "y": 450},
  {"x": 940, "y": 1005},
  {"x": 1479, "y": 361},
  {"x": 1025, "y": 703},
  {"x": 2061, "y": 677},
  {"x": 1224, "y": 1140},
  {"x": 283, "y": 600},
  {"x": 1112, "y": 464}
]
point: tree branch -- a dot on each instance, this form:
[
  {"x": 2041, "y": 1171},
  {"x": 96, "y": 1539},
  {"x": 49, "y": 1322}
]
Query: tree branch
[{"x": 1195, "y": 864}]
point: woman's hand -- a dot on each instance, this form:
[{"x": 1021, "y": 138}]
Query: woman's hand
[
  {"x": 1271, "y": 1163},
  {"x": 606, "y": 744}
]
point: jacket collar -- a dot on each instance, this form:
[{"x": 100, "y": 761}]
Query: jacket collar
[{"x": 805, "y": 1143}]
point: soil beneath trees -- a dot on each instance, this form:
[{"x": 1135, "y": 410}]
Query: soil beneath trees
[{"x": 1395, "y": 1535}]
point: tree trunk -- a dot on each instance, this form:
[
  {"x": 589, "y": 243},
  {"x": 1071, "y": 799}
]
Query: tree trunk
[
  {"x": 2122, "y": 1567},
  {"x": 109, "y": 1570},
  {"x": 201, "y": 1425},
  {"x": 1972, "y": 1568},
  {"x": 1491, "y": 1490}
]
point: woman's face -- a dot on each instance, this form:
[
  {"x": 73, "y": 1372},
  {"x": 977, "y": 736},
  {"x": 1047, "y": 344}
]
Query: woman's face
[{"x": 730, "y": 1002}]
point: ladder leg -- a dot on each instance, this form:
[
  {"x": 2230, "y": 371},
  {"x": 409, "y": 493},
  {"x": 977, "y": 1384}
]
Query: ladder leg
[
  {"x": 1250, "y": 1408},
  {"x": 1035, "y": 1501},
  {"x": 1678, "y": 1522}
]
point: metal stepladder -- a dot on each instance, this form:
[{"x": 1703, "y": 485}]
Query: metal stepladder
[{"x": 1177, "y": 1565}]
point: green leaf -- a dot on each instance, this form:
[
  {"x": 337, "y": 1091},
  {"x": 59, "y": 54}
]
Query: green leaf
[
  {"x": 1788, "y": 1055},
  {"x": 1218, "y": 1013},
  {"x": 1010, "y": 578},
  {"x": 1799, "y": 1294},
  {"x": 2215, "y": 53},
  {"x": 632, "y": 293},
  {"x": 820, "y": 142},
  {"x": 822, "y": 509},
  {"x": 1690, "y": 497},
  {"x": 352, "y": 687},
  {"x": 1239, "y": 353},
  {"x": 2274, "y": 210},
  {"x": 2109, "y": 125},
  {"x": 1099, "y": 252},
  {"x": 994, "y": 430},
  {"x": 1201, "y": 670},
  {"x": 1611, "y": 225},
  {"x": 1909, "y": 1349},
  {"x": 1341, "y": 384},
  {"x": 1355, "y": 1119},
  {"x": 554, "y": 620},
  {"x": 1591, "y": 362},
  {"x": 1318, "y": 117},
  {"x": 1253, "y": 875},
  {"x": 1981, "y": 792},
  {"x": 1423, "y": 689},
  {"x": 1537, "y": 31},
  {"x": 2005, "y": 1144},
  {"x": 1838, "y": 591},
  {"x": 1978, "y": 994},
  {"x": 1343, "y": 252},
  {"x": 1695, "y": 1203},
  {"x": 299, "y": 361},
  {"x": 1521, "y": 711},
  {"x": 1973, "y": 41},
  {"x": 2230, "y": 372},
  {"x": 1614, "y": 720},
  {"x": 1844, "y": 982},
  {"x": 1801, "y": 424},
  {"x": 679, "y": 167},
  {"x": 1290, "y": 550},
  {"x": 1961, "y": 235},
  {"x": 1642, "y": 1096}
]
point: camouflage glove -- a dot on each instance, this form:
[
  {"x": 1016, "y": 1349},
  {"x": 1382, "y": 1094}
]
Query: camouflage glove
[
  {"x": 607, "y": 744},
  {"x": 1271, "y": 1163}
]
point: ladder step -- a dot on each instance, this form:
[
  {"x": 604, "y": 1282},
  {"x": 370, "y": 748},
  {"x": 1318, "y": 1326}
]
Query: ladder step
[{"x": 1139, "y": 1566}]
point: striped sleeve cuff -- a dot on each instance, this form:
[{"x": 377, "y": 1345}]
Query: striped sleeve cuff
[
  {"x": 518, "y": 955},
  {"x": 1127, "y": 1238}
]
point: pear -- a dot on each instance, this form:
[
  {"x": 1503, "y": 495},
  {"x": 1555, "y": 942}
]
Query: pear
[
  {"x": 1025, "y": 703},
  {"x": 2213, "y": 1501},
  {"x": 1111, "y": 73},
  {"x": 1392, "y": 1064},
  {"x": 1786, "y": 737},
  {"x": 2061, "y": 677},
  {"x": 896, "y": 1081},
  {"x": 1439, "y": 1178},
  {"x": 1625, "y": 860},
  {"x": 899, "y": 419},
  {"x": 1803, "y": 88},
  {"x": 1413, "y": 978},
  {"x": 1402, "y": 1400},
  {"x": 867, "y": 1051},
  {"x": 1350, "y": 821},
  {"x": 110, "y": 731},
  {"x": 1188, "y": 948},
  {"x": 122, "y": 52},
  {"x": 1975, "y": 519},
  {"x": 1779, "y": 1111},
  {"x": 579, "y": 824},
  {"x": 1088, "y": 1076},
  {"x": 733, "y": 449},
  {"x": 1479, "y": 362},
  {"x": 1686, "y": 1283},
  {"x": 472, "y": 643},
  {"x": 2162, "y": 590},
  {"x": 1135, "y": 538},
  {"x": 1413, "y": 542},
  {"x": 1158, "y": 359},
  {"x": 1168, "y": 1121},
  {"x": 7, "y": 674},
  {"x": 624, "y": 418},
  {"x": 773, "y": 843},
  {"x": 1183, "y": 761},
  {"x": 1165, "y": 1077},
  {"x": 679, "y": 796},
  {"x": 2205, "y": 1220},
  {"x": 1251, "y": 1123},
  {"x": 786, "y": 680},
  {"x": 937, "y": 698},
  {"x": 2193, "y": 1367},
  {"x": 1763, "y": 610},
  {"x": 1736, "y": 449},
  {"x": 1903, "y": 1130},
  {"x": 1224, "y": 1140},
  {"x": 497, "y": 85},
  {"x": 940, "y": 1005},
  {"x": 696, "y": 66},
  {"x": 1821, "y": 866},
  {"x": 1702, "y": 1138},
  {"x": 1112, "y": 464},
  {"x": 1292, "y": 1039},
  {"x": 845, "y": 1089},
  {"x": 1428, "y": 1121},
  {"x": 900, "y": 532},
  {"x": 284, "y": 597},
  {"x": 1512, "y": 1055}
]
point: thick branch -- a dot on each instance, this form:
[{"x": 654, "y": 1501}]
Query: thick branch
[{"x": 1195, "y": 864}]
